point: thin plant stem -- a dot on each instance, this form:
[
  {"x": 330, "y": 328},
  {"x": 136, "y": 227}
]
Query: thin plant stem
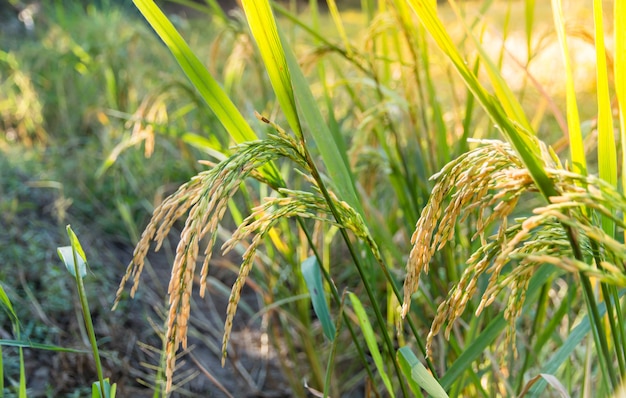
[
  {"x": 88, "y": 322},
  {"x": 357, "y": 262},
  {"x": 598, "y": 332},
  {"x": 538, "y": 323},
  {"x": 611, "y": 316}
]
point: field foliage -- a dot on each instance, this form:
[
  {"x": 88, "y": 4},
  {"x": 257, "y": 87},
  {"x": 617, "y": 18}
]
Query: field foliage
[{"x": 423, "y": 199}]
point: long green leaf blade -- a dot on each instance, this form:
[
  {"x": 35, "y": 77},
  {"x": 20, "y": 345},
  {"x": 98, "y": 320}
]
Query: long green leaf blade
[
  {"x": 291, "y": 87},
  {"x": 607, "y": 155},
  {"x": 4, "y": 299},
  {"x": 263, "y": 27},
  {"x": 370, "y": 340},
  {"x": 619, "y": 33},
  {"x": 577, "y": 151},
  {"x": 418, "y": 374},
  {"x": 39, "y": 346},
  {"x": 199, "y": 76},
  {"x": 224, "y": 109},
  {"x": 336, "y": 166},
  {"x": 313, "y": 279},
  {"x": 529, "y": 13}
]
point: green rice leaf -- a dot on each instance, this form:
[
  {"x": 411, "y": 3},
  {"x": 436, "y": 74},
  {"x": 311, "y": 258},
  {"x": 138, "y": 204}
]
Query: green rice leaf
[
  {"x": 607, "y": 154},
  {"x": 334, "y": 12},
  {"x": 39, "y": 346},
  {"x": 577, "y": 151},
  {"x": 370, "y": 340},
  {"x": 69, "y": 254},
  {"x": 263, "y": 27},
  {"x": 529, "y": 13},
  {"x": 336, "y": 163},
  {"x": 109, "y": 390},
  {"x": 199, "y": 76},
  {"x": 22, "y": 385},
  {"x": 7, "y": 304},
  {"x": 224, "y": 109},
  {"x": 75, "y": 243},
  {"x": 550, "y": 379},
  {"x": 417, "y": 374},
  {"x": 619, "y": 32},
  {"x": 313, "y": 279},
  {"x": 284, "y": 71},
  {"x": 66, "y": 255}
]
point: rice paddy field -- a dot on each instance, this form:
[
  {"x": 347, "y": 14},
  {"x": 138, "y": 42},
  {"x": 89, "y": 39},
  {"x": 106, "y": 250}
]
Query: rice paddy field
[{"x": 394, "y": 198}]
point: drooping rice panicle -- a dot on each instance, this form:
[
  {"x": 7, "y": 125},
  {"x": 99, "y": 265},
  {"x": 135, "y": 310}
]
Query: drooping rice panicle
[{"x": 489, "y": 182}]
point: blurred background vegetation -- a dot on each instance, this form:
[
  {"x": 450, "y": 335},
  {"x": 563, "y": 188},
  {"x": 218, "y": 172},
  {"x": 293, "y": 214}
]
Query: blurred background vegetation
[{"x": 98, "y": 124}]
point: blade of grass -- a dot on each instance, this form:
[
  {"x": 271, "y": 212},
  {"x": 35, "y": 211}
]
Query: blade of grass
[
  {"x": 199, "y": 76},
  {"x": 230, "y": 117},
  {"x": 416, "y": 373},
  {"x": 4, "y": 299},
  {"x": 338, "y": 170},
  {"x": 370, "y": 340},
  {"x": 607, "y": 155},
  {"x": 22, "y": 386},
  {"x": 313, "y": 279},
  {"x": 334, "y": 13},
  {"x": 619, "y": 32},
  {"x": 529, "y": 14},
  {"x": 607, "y": 158},
  {"x": 40, "y": 346},
  {"x": 333, "y": 348},
  {"x": 619, "y": 76},
  {"x": 279, "y": 58},
  {"x": 577, "y": 151},
  {"x": 263, "y": 26},
  {"x": 16, "y": 326}
]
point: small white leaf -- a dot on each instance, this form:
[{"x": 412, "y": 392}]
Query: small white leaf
[{"x": 66, "y": 255}]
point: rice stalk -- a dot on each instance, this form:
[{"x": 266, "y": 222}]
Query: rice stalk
[
  {"x": 205, "y": 199},
  {"x": 488, "y": 182}
]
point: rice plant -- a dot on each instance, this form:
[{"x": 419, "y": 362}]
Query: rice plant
[{"x": 467, "y": 221}]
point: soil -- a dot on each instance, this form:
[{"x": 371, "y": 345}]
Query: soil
[{"x": 129, "y": 337}]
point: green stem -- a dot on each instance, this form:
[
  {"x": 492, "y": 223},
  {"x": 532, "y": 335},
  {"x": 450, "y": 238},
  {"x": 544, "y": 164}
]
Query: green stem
[
  {"x": 598, "y": 332},
  {"x": 611, "y": 313},
  {"x": 538, "y": 322},
  {"x": 88, "y": 322},
  {"x": 621, "y": 333},
  {"x": 357, "y": 262}
]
